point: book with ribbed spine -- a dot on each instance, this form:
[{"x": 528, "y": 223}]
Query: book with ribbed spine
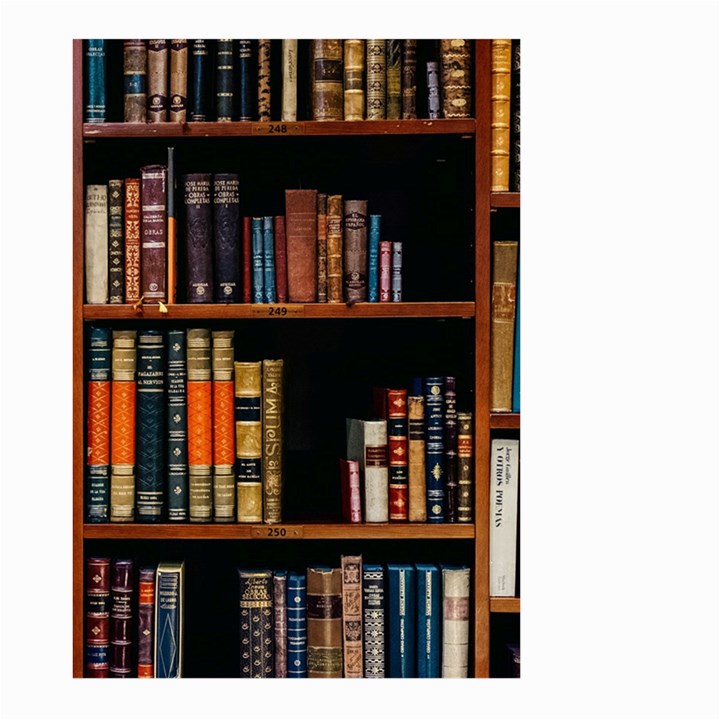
[
  {"x": 355, "y": 251},
  {"x": 450, "y": 442},
  {"x": 296, "y": 625},
  {"x": 373, "y": 589},
  {"x": 456, "y": 621},
  {"x": 335, "y": 248},
  {"x": 134, "y": 80},
  {"x": 500, "y": 134},
  {"x": 367, "y": 443},
  {"x": 97, "y": 475},
  {"x": 96, "y": 244},
  {"x": 280, "y": 623},
  {"x": 408, "y": 80},
  {"x": 397, "y": 426},
  {"x": 223, "y": 423},
  {"x": 132, "y": 240},
  {"x": 157, "y": 80},
  {"x": 516, "y": 350},
  {"x": 456, "y": 64},
  {"x": 417, "y": 493},
  {"x": 515, "y": 117},
  {"x": 95, "y": 78},
  {"x": 465, "y": 467},
  {"x": 393, "y": 90},
  {"x": 289, "y": 81},
  {"x": 97, "y": 617},
  {"x": 247, "y": 79},
  {"x": 198, "y": 198},
  {"x": 247, "y": 287},
  {"x": 177, "y": 427},
  {"x": 505, "y": 254},
  {"x": 429, "y": 620},
  {"x": 224, "y": 80},
  {"x": 327, "y": 79},
  {"x": 396, "y": 272},
  {"x": 171, "y": 227},
  {"x": 301, "y": 238},
  {"x": 116, "y": 245},
  {"x": 504, "y": 459},
  {"x": 385, "y": 270},
  {"x": 272, "y": 430},
  {"x": 263, "y": 80},
  {"x": 226, "y": 230},
  {"x": 169, "y": 620},
  {"x": 258, "y": 270},
  {"x": 122, "y": 427},
  {"x": 374, "y": 258},
  {"x": 280, "y": 259},
  {"x": 401, "y": 621},
  {"x": 353, "y": 79},
  {"x": 352, "y": 615},
  {"x": 122, "y": 625},
  {"x": 248, "y": 441},
  {"x": 256, "y": 623},
  {"x": 270, "y": 295},
  {"x": 434, "y": 449},
  {"x": 146, "y": 622},
  {"x": 324, "y": 622},
  {"x": 153, "y": 233},
  {"x": 322, "y": 291},
  {"x": 375, "y": 79},
  {"x": 199, "y": 64},
  {"x": 350, "y": 491},
  {"x": 432, "y": 73},
  {"x": 178, "y": 80}
]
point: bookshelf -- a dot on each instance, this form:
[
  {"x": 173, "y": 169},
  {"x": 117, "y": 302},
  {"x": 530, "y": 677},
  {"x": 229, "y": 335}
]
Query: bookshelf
[{"x": 453, "y": 314}]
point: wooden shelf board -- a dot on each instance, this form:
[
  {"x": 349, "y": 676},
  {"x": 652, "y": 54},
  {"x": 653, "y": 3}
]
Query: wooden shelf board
[
  {"x": 505, "y": 604},
  {"x": 505, "y": 199},
  {"x": 505, "y": 420}
]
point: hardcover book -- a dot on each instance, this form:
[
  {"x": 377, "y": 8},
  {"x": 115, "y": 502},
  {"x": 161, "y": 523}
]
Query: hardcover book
[
  {"x": 97, "y": 617},
  {"x": 258, "y": 270},
  {"x": 199, "y": 64},
  {"x": 504, "y": 458},
  {"x": 153, "y": 229},
  {"x": 169, "y": 620},
  {"x": 247, "y": 71},
  {"x": 397, "y": 425},
  {"x": 134, "y": 80},
  {"x": 352, "y": 615},
  {"x": 465, "y": 467},
  {"x": 367, "y": 443},
  {"x": 324, "y": 622},
  {"x": 434, "y": 449},
  {"x": 121, "y": 618},
  {"x": 515, "y": 117},
  {"x": 322, "y": 290},
  {"x": 500, "y": 136},
  {"x": 263, "y": 80},
  {"x": 132, "y": 240},
  {"x": 280, "y": 627},
  {"x": 401, "y": 621},
  {"x": 281, "y": 259},
  {"x": 354, "y": 76},
  {"x": 301, "y": 236},
  {"x": 247, "y": 259},
  {"x": 296, "y": 625},
  {"x": 450, "y": 441},
  {"x": 198, "y": 237},
  {"x": 269, "y": 260},
  {"x": 272, "y": 430},
  {"x": 396, "y": 277},
  {"x": 256, "y": 624},
  {"x": 146, "y": 622},
  {"x": 178, "y": 80},
  {"x": 456, "y": 78},
  {"x": 224, "y": 81},
  {"x": 374, "y": 621},
  {"x": 350, "y": 491},
  {"x": 393, "y": 79},
  {"x": 327, "y": 79},
  {"x": 429, "y": 620},
  {"x": 248, "y": 441},
  {"x": 505, "y": 255},
  {"x": 223, "y": 422},
  {"x": 289, "y": 80},
  {"x": 96, "y": 244},
  {"x": 177, "y": 428},
  {"x": 516, "y": 351},
  {"x": 116, "y": 261},
  {"x": 433, "y": 87},
  {"x": 226, "y": 225},
  {"x": 95, "y": 74},
  {"x": 385, "y": 270},
  {"x": 409, "y": 82},
  {"x": 417, "y": 509},
  {"x": 157, "y": 80},
  {"x": 375, "y": 79},
  {"x": 335, "y": 248},
  {"x": 355, "y": 251},
  {"x": 456, "y": 621},
  {"x": 374, "y": 258}
]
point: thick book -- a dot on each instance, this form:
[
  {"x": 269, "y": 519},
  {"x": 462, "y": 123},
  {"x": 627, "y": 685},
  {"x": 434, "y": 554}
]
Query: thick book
[
  {"x": 434, "y": 449},
  {"x": 335, "y": 248},
  {"x": 289, "y": 80},
  {"x": 247, "y": 72},
  {"x": 322, "y": 289},
  {"x": 327, "y": 79},
  {"x": 116, "y": 243},
  {"x": 134, "y": 80},
  {"x": 301, "y": 237},
  {"x": 226, "y": 230},
  {"x": 417, "y": 494},
  {"x": 272, "y": 438},
  {"x": 296, "y": 625},
  {"x": 432, "y": 74},
  {"x": 396, "y": 274},
  {"x": 516, "y": 350},
  {"x": 515, "y": 117},
  {"x": 95, "y": 79},
  {"x": 393, "y": 73},
  {"x": 429, "y": 620},
  {"x": 247, "y": 288},
  {"x": 270, "y": 296},
  {"x": 456, "y": 621},
  {"x": 96, "y": 244},
  {"x": 373, "y": 621},
  {"x": 281, "y": 259},
  {"x": 504, "y": 468},
  {"x": 223, "y": 424},
  {"x": 258, "y": 270},
  {"x": 256, "y": 623},
  {"x": 177, "y": 427},
  {"x": 122, "y": 622},
  {"x": 97, "y": 617},
  {"x": 354, "y": 79},
  {"x": 374, "y": 259},
  {"x": 248, "y": 441},
  {"x": 456, "y": 64},
  {"x": 153, "y": 233},
  {"x": 367, "y": 443},
  {"x": 375, "y": 79},
  {"x": 465, "y": 467},
  {"x": 324, "y": 622},
  {"x": 146, "y": 622},
  {"x": 352, "y": 615},
  {"x": 500, "y": 133},
  {"x": 385, "y": 270},
  {"x": 450, "y": 442},
  {"x": 197, "y": 194},
  {"x": 280, "y": 623},
  {"x": 132, "y": 240},
  {"x": 224, "y": 81},
  {"x": 397, "y": 428},
  {"x": 401, "y": 621},
  {"x": 409, "y": 80},
  {"x": 263, "y": 81},
  {"x": 157, "y": 80},
  {"x": 200, "y": 72},
  {"x": 350, "y": 491},
  {"x": 169, "y": 620},
  {"x": 355, "y": 251},
  {"x": 178, "y": 80}
]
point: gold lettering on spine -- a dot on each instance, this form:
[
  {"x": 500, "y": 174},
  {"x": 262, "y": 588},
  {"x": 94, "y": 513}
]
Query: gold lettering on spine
[{"x": 272, "y": 439}]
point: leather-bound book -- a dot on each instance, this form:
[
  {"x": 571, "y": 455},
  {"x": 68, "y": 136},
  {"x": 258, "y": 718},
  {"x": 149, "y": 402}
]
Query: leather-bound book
[
  {"x": 151, "y": 429},
  {"x": 456, "y": 621},
  {"x": 450, "y": 441},
  {"x": 500, "y": 135},
  {"x": 199, "y": 412},
  {"x": 355, "y": 251},
  {"x": 157, "y": 89},
  {"x": 301, "y": 236},
  {"x": 146, "y": 622},
  {"x": 428, "y": 593},
  {"x": 296, "y": 625},
  {"x": 434, "y": 449},
  {"x": 122, "y": 625},
  {"x": 281, "y": 259},
  {"x": 324, "y": 622},
  {"x": 256, "y": 623},
  {"x": 95, "y": 78},
  {"x": 350, "y": 491},
  {"x": 248, "y": 441},
  {"x": 226, "y": 226},
  {"x": 116, "y": 261},
  {"x": 169, "y": 620},
  {"x": 132, "y": 240},
  {"x": 272, "y": 428},
  {"x": 335, "y": 248},
  {"x": 401, "y": 621},
  {"x": 322, "y": 247},
  {"x": 223, "y": 423},
  {"x": 373, "y": 589},
  {"x": 171, "y": 227},
  {"x": 97, "y": 617},
  {"x": 247, "y": 71},
  {"x": 178, "y": 80},
  {"x": 96, "y": 244},
  {"x": 375, "y": 79},
  {"x": 224, "y": 81},
  {"x": 456, "y": 64},
  {"x": 327, "y": 79},
  {"x": 352, "y": 616},
  {"x": 515, "y": 117},
  {"x": 354, "y": 79},
  {"x": 409, "y": 81},
  {"x": 97, "y": 476},
  {"x": 505, "y": 255},
  {"x": 374, "y": 259},
  {"x": 280, "y": 622},
  {"x": 177, "y": 427},
  {"x": 465, "y": 467},
  {"x": 197, "y": 194},
  {"x": 199, "y": 64},
  {"x": 263, "y": 80},
  {"x": 396, "y": 275},
  {"x": 385, "y": 270},
  {"x": 289, "y": 80},
  {"x": 269, "y": 260},
  {"x": 433, "y": 86},
  {"x": 417, "y": 509},
  {"x": 393, "y": 92},
  {"x": 367, "y": 443},
  {"x": 122, "y": 427},
  {"x": 397, "y": 425},
  {"x": 153, "y": 233},
  {"x": 247, "y": 260},
  {"x": 258, "y": 268},
  {"x": 134, "y": 80},
  {"x": 516, "y": 351}
]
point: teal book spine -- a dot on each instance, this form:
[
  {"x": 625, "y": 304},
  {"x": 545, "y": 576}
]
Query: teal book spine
[
  {"x": 257, "y": 260},
  {"x": 516, "y": 351},
  {"x": 401, "y": 621},
  {"x": 169, "y": 611},
  {"x": 374, "y": 258},
  {"x": 269, "y": 259},
  {"x": 429, "y": 621},
  {"x": 177, "y": 428},
  {"x": 95, "y": 81}
]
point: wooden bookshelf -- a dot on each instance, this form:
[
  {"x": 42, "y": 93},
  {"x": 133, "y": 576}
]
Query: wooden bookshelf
[
  {"x": 505, "y": 200},
  {"x": 505, "y": 604},
  {"x": 505, "y": 421}
]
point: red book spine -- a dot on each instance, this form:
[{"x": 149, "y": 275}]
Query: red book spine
[
  {"x": 146, "y": 622},
  {"x": 97, "y": 617},
  {"x": 301, "y": 238},
  {"x": 398, "y": 451},
  {"x": 153, "y": 227},
  {"x": 350, "y": 491},
  {"x": 121, "y": 619},
  {"x": 247, "y": 260},
  {"x": 281, "y": 278},
  {"x": 132, "y": 240},
  {"x": 385, "y": 270}
]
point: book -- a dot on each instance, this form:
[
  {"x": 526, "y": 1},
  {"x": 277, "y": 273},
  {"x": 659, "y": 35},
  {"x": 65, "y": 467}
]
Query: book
[
  {"x": 169, "y": 620},
  {"x": 500, "y": 134},
  {"x": 401, "y": 621},
  {"x": 355, "y": 251},
  {"x": 280, "y": 626},
  {"x": 353, "y": 79},
  {"x": 97, "y": 617},
  {"x": 374, "y": 621},
  {"x": 465, "y": 467},
  {"x": 301, "y": 238},
  {"x": 269, "y": 260},
  {"x": 327, "y": 79},
  {"x": 456, "y": 621},
  {"x": 122, "y": 623},
  {"x": 367, "y": 443},
  {"x": 95, "y": 79},
  {"x": 408, "y": 79},
  {"x": 434, "y": 449},
  {"x": 350, "y": 491},
  {"x": 324, "y": 622},
  {"x": 272, "y": 431},
  {"x": 397, "y": 428},
  {"x": 256, "y": 623},
  {"x": 322, "y": 283},
  {"x": 146, "y": 622},
  {"x": 450, "y": 443},
  {"x": 223, "y": 425},
  {"x": 335, "y": 248},
  {"x": 177, "y": 427},
  {"x": 157, "y": 80},
  {"x": 375, "y": 79},
  {"x": 132, "y": 240},
  {"x": 96, "y": 244},
  {"x": 432, "y": 73},
  {"x": 393, "y": 90},
  {"x": 385, "y": 270},
  {"x": 178, "y": 80},
  {"x": 296, "y": 625},
  {"x": 504, "y": 461},
  {"x": 248, "y": 441},
  {"x": 289, "y": 81},
  {"x": 116, "y": 244},
  {"x": 198, "y": 198},
  {"x": 456, "y": 64},
  {"x": 263, "y": 80},
  {"x": 134, "y": 80},
  {"x": 247, "y": 80},
  {"x": 352, "y": 616},
  {"x": 417, "y": 493},
  {"x": 428, "y": 593},
  {"x": 515, "y": 118},
  {"x": 396, "y": 276},
  {"x": 515, "y": 405},
  {"x": 374, "y": 259},
  {"x": 171, "y": 228},
  {"x": 247, "y": 258},
  {"x": 224, "y": 80},
  {"x": 153, "y": 233},
  {"x": 281, "y": 259},
  {"x": 258, "y": 269},
  {"x": 512, "y": 660},
  {"x": 199, "y": 71},
  {"x": 226, "y": 233}
]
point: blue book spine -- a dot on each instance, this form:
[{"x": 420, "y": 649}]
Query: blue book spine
[
  {"x": 296, "y": 625},
  {"x": 269, "y": 259},
  {"x": 374, "y": 621},
  {"x": 434, "y": 450},
  {"x": 95, "y": 81},
  {"x": 373, "y": 258},
  {"x": 429, "y": 621},
  {"x": 401, "y": 622},
  {"x": 224, "y": 81},
  {"x": 516, "y": 352},
  {"x": 177, "y": 456},
  {"x": 169, "y": 620},
  {"x": 247, "y": 79},
  {"x": 257, "y": 260},
  {"x": 200, "y": 79}
]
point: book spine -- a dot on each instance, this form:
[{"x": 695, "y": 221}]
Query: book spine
[
  {"x": 178, "y": 80},
  {"x": 350, "y": 491},
  {"x": 301, "y": 236},
  {"x": 503, "y": 519},
  {"x": 272, "y": 429},
  {"x": 258, "y": 270},
  {"x": 456, "y": 78},
  {"x": 269, "y": 260},
  {"x": 247, "y": 260},
  {"x": 296, "y": 626},
  {"x": 224, "y": 81},
  {"x": 385, "y": 270},
  {"x": 374, "y": 258},
  {"x": 417, "y": 509},
  {"x": 157, "y": 85},
  {"x": 97, "y": 477},
  {"x": 134, "y": 80},
  {"x": 355, "y": 251},
  {"x": 456, "y": 622},
  {"x": 374, "y": 621},
  {"x": 516, "y": 351},
  {"x": 226, "y": 227},
  {"x": 327, "y": 79},
  {"x": 450, "y": 442},
  {"x": 247, "y": 80},
  {"x": 280, "y": 623},
  {"x": 121, "y": 619},
  {"x": 409, "y": 81},
  {"x": 177, "y": 429},
  {"x": 465, "y": 467},
  {"x": 397, "y": 423},
  {"x": 223, "y": 424},
  {"x": 256, "y": 624},
  {"x": 96, "y": 244},
  {"x": 200, "y": 81},
  {"x": 95, "y": 75},
  {"x": 97, "y": 617},
  {"x": 433, "y": 86},
  {"x": 401, "y": 620},
  {"x": 289, "y": 80},
  {"x": 116, "y": 261},
  {"x": 376, "y": 471},
  {"x": 324, "y": 623},
  {"x": 393, "y": 79},
  {"x": 263, "y": 80},
  {"x": 132, "y": 240},
  {"x": 151, "y": 403},
  {"x": 281, "y": 259},
  {"x": 375, "y": 79},
  {"x": 396, "y": 280},
  {"x": 322, "y": 289},
  {"x": 199, "y": 414},
  {"x": 500, "y": 134},
  {"x": 146, "y": 628},
  {"x": 169, "y": 620},
  {"x": 503, "y": 324},
  {"x": 354, "y": 76},
  {"x": 434, "y": 450},
  {"x": 171, "y": 228},
  {"x": 429, "y": 621},
  {"x": 515, "y": 116},
  {"x": 335, "y": 248},
  {"x": 352, "y": 616},
  {"x": 153, "y": 227},
  {"x": 248, "y": 438},
  {"x": 197, "y": 196},
  {"x": 122, "y": 428}
]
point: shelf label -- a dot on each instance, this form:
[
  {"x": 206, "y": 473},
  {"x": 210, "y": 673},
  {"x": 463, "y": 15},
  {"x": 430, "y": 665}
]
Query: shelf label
[
  {"x": 277, "y": 532},
  {"x": 279, "y": 128},
  {"x": 278, "y": 311}
]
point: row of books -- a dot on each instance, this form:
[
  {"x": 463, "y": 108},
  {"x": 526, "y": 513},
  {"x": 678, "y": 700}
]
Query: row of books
[
  {"x": 320, "y": 250},
  {"x": 353, "y": 621},
  {"x": 226, "y": 80},
  {"x": 505, "y": 135}
]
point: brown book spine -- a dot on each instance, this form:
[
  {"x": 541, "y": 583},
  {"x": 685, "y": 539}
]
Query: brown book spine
[
  {"x": 327, "y": 79},
  {"x": 223, "y": 421},
  {"x": 409, "y": 81},
  {"x": 280, "y": 622},
  {"x": 247, "y": 259},
  {"x": 352, "y": 615},
  {"x": 335, "y": 248},
  {"x": 456, "y": 69},
  {"x": 135, "y": 80},
  {"x": 322, "y": 292},
  {"x": 157, "y": 101},
  {"x": 132, "y": 240},
  {"x": 417, "y": 511},
  {"x": 393, "y": 83},
  {"x": 505, "y": 255},
  {"x": 281, "y": 277},
  {"x": 324, "y": 623},
  {"x": 116, "y": 261},
  {"x": 375, "y": 67},
  {"x": 355, "y": 251},
  {"x": 500, "y": 136},
  {"x": 465, "y": 465},
  {"x": 97, "y": 617},
  {"x": 398, "y": 454},
  {"x": 385, "y": 270},
  {"x": 272, "y": 428},
  {"x": 178, "y": 80},
  {"x": 263, "y": 80},
  {"x": 354, "y": 76},
  {"x": 301, "y": 236},
  {"x": 248, "y": 441},
  {"x": 153, "y": 228}
]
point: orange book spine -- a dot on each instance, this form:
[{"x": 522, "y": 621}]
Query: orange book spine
[
  {"x": 132, "y": 240},
  {"x": 223, "y": 424}
]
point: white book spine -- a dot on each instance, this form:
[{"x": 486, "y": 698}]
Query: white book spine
[
  {"x": 456, "y": 622},
  {"x": 96, "y": 244},
  {"x": 289, "y": 80},
  {"x": 367, "y": 443}
]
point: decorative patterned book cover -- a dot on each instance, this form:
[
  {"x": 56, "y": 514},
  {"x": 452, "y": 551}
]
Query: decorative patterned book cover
[
  {"x": 223, "y": 424},
  {"x": 465, "y": 467},
  {"x": 355, "y": 251},
  {"x": 263, "y": 80},
  {"x": 169, "y": 620},
  {"x": 401, "y": 621},
  {"x": 505, "y": 255},
  {"x": 247, "y": 260},
  {"x": 116, "y": 261},
  {"x": 97, "y": 477},
  {"x": 122, "y": 623},
  {"x": 324, "y": 622},
  {"x": 456, "y": 63},
  {"x": 393, "y": 99},
  {"x": 408, "y": 80},
  {"x": 367, "y": 443},
  {"x": 500, "y": 136},
  {"x": 396, "y": 278},
  {"x": 226, "y": 225},
  {"x": 434, "y": 449},
  {"x": 171, "y": 227},
  {"x": 327, "y": 79},
  {"x": 374, "y": 621},
  {"x": 375, "y": 79},
  {"x": 352, "y": 615},
  {"x": 516, "y": 349},
  {"x": 417, "y": 510},
  {"x": 301, "y": 237},
  {"x": 374, "y": 258},
  {"x": 256, "y": 623},
  {"x": 96, "y": 244},
  {"x": 199, "y": 64},
  {"x": 280, "y": 627},
  {"x": 450, "y": 441},
  {"x": 178, "y": 80},
  {"x": 247, "y": 79},
  {"x": 122, "y": 427},
  {"x": 354, "y": 77},
  {"x": 197, "y": 194},
  {"x": 504, "y": 459},
  {"x": 146, "y": 622},
  {"x": 97, "y": 617},
  {"x": 280, "y": 259},
  {"x": 132, "y": 240},
  {"x": 272, "y": 429},
  {"x": 335, "y": 248},
  {"x": 258, "y": 270},
  {"x": 153, "y": 233},
  {"x": 157, "y": 80},
  {"x": 199, "y": 414},
  {"x": 350, "y": 491},
  {"x": 397, "y": 426},
  {"x": 134, "y": 80},
  {"x": 432, "y": 70},
  {"x": 248, "y": 441},
  {"x": 177, "y": 427},
  {"x": 385, "y": 270},
  {"x": 289, "y": 80},
  {"x": 224, "y": 81},
  {"x": 296, "y": 625},
  {"x": 95, "y": 75},
  {"x": 515, "y": 117},
  {"x": 322, "y": 247},
  {"x": 269, "y": 259},
  {"x": 429, "y": 620},
  {"x": 456, "y": 621},
  {"x": 151, "y": 404}
]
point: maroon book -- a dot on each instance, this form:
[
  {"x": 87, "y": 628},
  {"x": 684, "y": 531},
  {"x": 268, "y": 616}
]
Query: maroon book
[
  {"x": 121, "y": 619},
  {"x": 281, "y": 277},
  {"x": 247, "y": 260},
  {"x": 350, "y": 491},
  {"x": 153, "y": 233},
  {"x": 280, "y": 622},
  {"x": 301, "y": 238},
  {"x": 385, "y": 270},
  {"x": 97, "y": 617}
]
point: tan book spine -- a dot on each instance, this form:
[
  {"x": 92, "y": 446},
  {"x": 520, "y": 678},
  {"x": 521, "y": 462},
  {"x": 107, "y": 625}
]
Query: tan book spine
[
  {"x": 248, "y": 441},
  {"x": 322, "y": 292},
  {"x": 178, "y": 81},
  {"x": 500, "y": 136},
  {"x": 135, "y": 81},
  {"x": 324, "y": 623},
  {"x": 352, "y": 615},
  {"x": 393, "y": 79},
  {"x": 465, "y": 467},
  {"x": 223, "y": 419},
  {"x": 96, "y": 244},
  {"x": 354, "y": 75},
  {"x": 505, "y": 257},
  {"x": 157, "y": 101},
  {"x": 417, "y": 510},
  {"x": 327, "y": 79},
  {"x": 409, "y": 82},
  {"x": 375, "y": 68},
  {"x": 264, "y": 80},
  {"x": 272, "y": 429},
  {"x": 455, "y": 76},
  {"x": 335, "y": 248},
  {"x": 132, "y": 240},
  {"x": 289, "y": 80},
  {"x": 456, "y": 622}
]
